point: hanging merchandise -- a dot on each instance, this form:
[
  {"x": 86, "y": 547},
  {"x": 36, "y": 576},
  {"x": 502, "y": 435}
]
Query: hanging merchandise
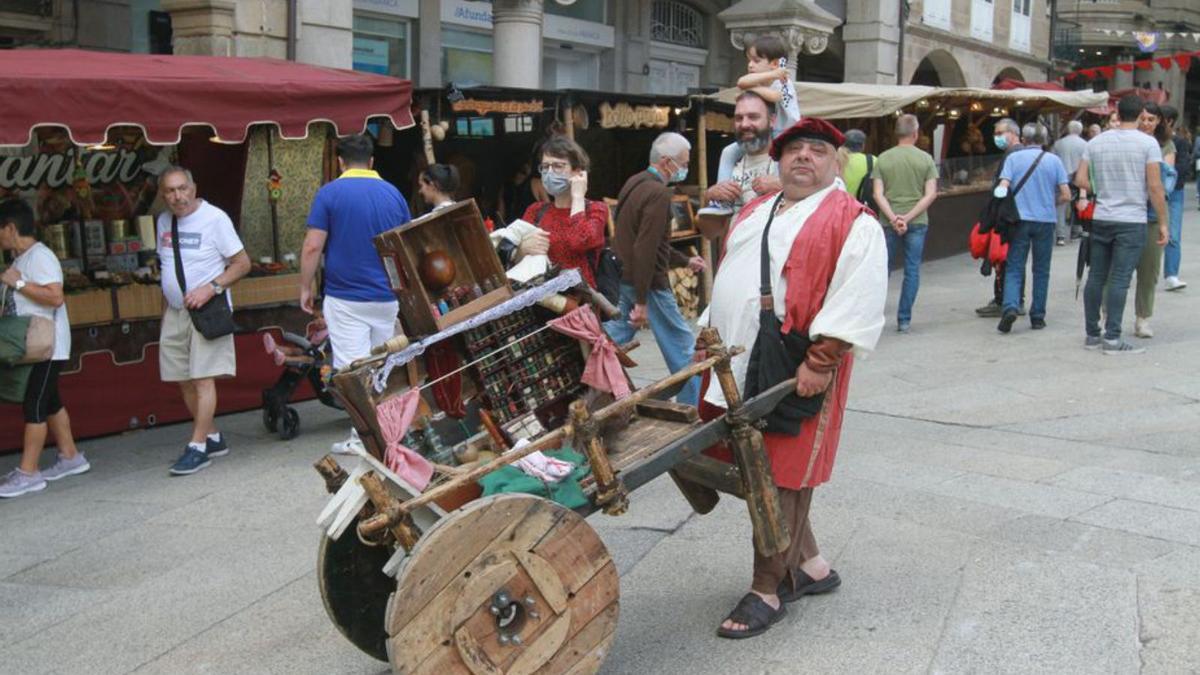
[{"x": 274, "y": 186}]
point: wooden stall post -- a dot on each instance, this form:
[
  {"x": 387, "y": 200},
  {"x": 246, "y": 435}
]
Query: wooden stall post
[
  {"x": 610, "y": 493},
  {"x": 702, "y": 179},
  {"x": 427, "y": 136},
  {"x": 569, "y": 117},
  {"x": 758, "y": 483},
  {"x": 270, "y": 199}
]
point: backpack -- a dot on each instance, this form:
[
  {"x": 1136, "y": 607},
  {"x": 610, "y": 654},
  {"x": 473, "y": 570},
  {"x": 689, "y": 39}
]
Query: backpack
[{"x": 866, "y": 189}]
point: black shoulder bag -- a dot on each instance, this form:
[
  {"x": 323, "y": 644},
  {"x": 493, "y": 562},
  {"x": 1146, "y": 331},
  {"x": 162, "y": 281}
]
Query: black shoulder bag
[
  {"x": 776, "y": 355},
  {"x": 214, "y": 319},
  {"x": 607, "y": 269},
  {"x": 1001, "y": 213}
]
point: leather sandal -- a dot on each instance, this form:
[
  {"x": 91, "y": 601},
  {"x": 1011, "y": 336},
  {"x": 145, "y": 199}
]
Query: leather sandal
[
  {"x": 755, "y": 614},
  {"x": 801, "y": 585}
]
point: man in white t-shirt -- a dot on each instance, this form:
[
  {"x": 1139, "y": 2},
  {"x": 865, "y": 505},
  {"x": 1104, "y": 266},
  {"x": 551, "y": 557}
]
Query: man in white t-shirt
[
  {"x": 213, "y": 260},
  {"x": 1121, "y": 168},
  {"x": 33, "y": 286},
  {"x": 755, "y": 173}
]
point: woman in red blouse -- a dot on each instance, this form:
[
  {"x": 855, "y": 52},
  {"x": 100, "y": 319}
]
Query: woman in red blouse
[{"x": 574, "y": 226}]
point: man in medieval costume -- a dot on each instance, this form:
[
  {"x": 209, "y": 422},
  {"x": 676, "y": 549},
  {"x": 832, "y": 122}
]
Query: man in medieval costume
[{"x": 821, "y": 285}]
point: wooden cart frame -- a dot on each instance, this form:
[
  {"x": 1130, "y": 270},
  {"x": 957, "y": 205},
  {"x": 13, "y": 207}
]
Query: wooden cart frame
[{"x": 517, "y": 583}]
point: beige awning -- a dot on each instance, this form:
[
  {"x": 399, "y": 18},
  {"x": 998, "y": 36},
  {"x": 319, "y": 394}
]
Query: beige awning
[{"x": 851, "y": 100}]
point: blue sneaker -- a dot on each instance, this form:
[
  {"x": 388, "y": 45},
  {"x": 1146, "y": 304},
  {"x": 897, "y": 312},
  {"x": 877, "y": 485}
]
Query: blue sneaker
[
  {"x": 192, "y": 461},
  {"x": 216, "y": 448}
]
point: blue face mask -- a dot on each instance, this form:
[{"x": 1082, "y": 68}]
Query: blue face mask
[
  {"x": 680, "y": 174},
  {"x": 556, "y": 183},
  {"x": 1000, "y": 141}
]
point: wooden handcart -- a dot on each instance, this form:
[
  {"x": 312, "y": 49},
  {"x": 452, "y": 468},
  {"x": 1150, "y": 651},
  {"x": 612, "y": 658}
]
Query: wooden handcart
[{"x": 443, "y": 580}]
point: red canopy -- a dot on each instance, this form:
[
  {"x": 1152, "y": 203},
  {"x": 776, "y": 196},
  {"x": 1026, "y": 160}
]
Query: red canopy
[
  {"x": 88, "y": 92},
  {"x": 1008, "y": 84}
]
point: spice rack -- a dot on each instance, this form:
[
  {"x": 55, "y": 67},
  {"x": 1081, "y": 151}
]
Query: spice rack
[{"x": 521, "y": 370}]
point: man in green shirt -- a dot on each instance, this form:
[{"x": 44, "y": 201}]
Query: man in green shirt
[
  {"x": 854, "y": 164},
  {"x": 905, "y": 185}
]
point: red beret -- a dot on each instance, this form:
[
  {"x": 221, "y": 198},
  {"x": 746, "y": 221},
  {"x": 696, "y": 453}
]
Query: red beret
[{"x": 809, "y": 127}]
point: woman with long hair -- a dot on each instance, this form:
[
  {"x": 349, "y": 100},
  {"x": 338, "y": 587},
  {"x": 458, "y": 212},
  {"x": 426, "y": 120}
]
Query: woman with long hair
[{"x": 1149, "y": 267}]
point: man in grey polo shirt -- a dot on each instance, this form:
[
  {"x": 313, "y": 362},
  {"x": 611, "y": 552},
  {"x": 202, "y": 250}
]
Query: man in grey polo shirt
[
  {"x": 1069, "y": 150},
  {"x": 1125, "y": 163}
]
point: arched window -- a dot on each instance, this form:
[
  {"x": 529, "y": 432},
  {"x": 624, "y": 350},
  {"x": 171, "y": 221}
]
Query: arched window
[{"x": 676, "y": 23}]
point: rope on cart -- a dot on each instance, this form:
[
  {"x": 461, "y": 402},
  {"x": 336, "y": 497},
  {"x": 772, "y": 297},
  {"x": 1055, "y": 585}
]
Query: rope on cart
[
  {"x": 486, "y": 356},
  {"x": 526, "y": 298}
]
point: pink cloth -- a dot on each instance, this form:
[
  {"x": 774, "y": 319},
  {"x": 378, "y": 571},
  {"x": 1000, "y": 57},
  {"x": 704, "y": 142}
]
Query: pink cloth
[
  {"x": 542, "y": 467},
  {"x": 603, "y": 370},
  {"x": 395, "y": 415}
]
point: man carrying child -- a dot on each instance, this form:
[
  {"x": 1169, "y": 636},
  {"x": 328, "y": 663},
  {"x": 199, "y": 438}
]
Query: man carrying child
[{"x": 767, "y": 77}]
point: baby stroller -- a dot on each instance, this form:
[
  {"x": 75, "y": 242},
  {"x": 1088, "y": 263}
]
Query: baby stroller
[{"x": 303, "y": 358}]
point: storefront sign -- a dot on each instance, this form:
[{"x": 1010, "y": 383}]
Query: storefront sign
[
  {"x": 508, "y": 107},
  {"x": 467, "y": 13},
  {"x": 626, "y": 116},
  {"x": 106, "y": 184},
  {"x": 406, "y": 8},
  {"x": 58, "y": 169},
  {"x": 566, "y": 29}
]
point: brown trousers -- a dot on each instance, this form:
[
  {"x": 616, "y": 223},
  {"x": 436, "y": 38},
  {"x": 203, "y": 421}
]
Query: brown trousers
[{"x": 770, "y": 571}]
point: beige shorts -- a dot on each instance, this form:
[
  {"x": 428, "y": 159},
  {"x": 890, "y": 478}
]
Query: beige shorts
[{"x": 184, "y": 354}]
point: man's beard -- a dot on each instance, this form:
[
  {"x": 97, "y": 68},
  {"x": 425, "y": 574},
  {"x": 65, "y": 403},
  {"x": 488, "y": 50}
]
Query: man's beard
[{"x": 757, "y": 143}]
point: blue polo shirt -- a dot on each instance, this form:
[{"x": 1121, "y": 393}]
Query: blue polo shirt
[
  {"x": 1036, "y": 200},
  {"x": 351, "y": 211}
]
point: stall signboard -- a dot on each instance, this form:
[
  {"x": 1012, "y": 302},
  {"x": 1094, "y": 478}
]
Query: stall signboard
[
  {"x": 626, "y": 116},
  {"x": 62, "y": 179},
  {"x": 506, "y": 107}
]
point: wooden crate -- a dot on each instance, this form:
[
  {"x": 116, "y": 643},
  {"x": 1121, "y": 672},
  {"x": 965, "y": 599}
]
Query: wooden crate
[
  {"x": 90, "y": 307},
  {"x": 273, "y": 290},
  {"x": 458, "y": 230},
  {"x": 139, "y": 301}
]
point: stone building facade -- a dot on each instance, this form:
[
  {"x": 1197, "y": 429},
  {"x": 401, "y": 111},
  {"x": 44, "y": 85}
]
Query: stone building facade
[
  {"x": 635, "y": 46},
  {"x": 1102, "y": 34}
]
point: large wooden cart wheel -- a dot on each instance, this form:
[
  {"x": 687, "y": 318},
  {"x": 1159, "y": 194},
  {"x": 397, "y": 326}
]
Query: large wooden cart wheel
[
  {"x": 355, "y": 589},
  {"x": 507, "y": 584}
]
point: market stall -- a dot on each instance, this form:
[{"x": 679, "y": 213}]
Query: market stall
[
  {"x": 956, "y": 124},
  {"x": 491, "y": 135},
  {"x": 83, "y": 139}
]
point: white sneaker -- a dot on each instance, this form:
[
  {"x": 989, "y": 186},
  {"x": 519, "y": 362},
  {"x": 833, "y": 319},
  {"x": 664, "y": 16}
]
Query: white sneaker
[
  {"x": 350, "y": 446},
  {"x": 1174, "y": 283},
  {"x": 1142, "y": 329},
  {"x": 17, "y": 483},
  {"x": 67, "y": 467}
]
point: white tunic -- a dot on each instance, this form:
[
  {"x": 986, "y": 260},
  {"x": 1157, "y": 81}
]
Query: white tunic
[{"x": 853, "y": 309}]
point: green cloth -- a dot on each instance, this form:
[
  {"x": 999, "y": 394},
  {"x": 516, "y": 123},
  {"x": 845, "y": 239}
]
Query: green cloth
[
  {"x": 855, "y": 172},
  {"x": 13, "y": 379},
  {"x": 566, "y": 492},
  {"x": 904, "y": 171}
]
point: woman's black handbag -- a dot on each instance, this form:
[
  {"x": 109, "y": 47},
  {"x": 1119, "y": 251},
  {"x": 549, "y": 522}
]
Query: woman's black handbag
[
  {"x": 214, "y": 319},
  {"x": 776, "y": 355}
]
